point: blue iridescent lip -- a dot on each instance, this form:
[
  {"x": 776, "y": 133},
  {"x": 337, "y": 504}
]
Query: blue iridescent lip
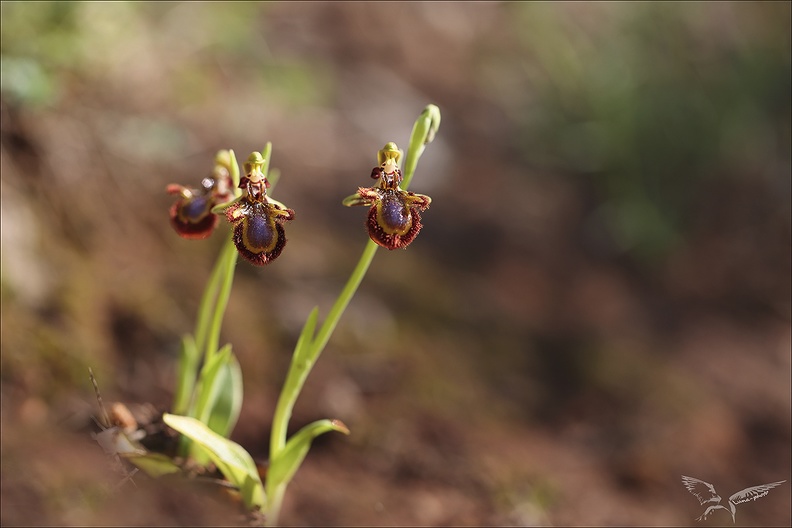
[
  {"x": 194, "y": 210},
  {"x": 258, "y": 231},
  {"x": 394, "y": 217},
  {"x": 191, "y": 215},
  {"x": 392, "y": 223},
  {"x": 394, "y": 214}
]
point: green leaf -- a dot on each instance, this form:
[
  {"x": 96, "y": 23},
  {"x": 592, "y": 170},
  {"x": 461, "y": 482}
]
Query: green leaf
[
  {"x": 302, "y": 361},
  {"x": 208, "y": 299},
  {"x": 213, "y": 378},
  {"x": 115, "y": 442},
  {"x": 272, "y": 176},
  {"x": 231, "y": 459},
  {"x": 234, "y": 172},
  {"x": 227, "y": 264},
  {"x": 154, "y": 464},
  {"x": 288, "y": 461},
  {"x": 305, "y": 341},
  {"x": 225, "y": 411},
  {"x": 266, "y": 154},
  {"x": 189, "y": 358}
]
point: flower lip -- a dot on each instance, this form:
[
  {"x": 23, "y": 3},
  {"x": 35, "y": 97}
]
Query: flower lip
[
  {"x": 191, "y": 215},
  {"x": 195, "y": 209},
  {"x": 257, "y": 220},
  {"x": 394, "y": 217},
  {"x": 258, "y": 231},
  {"x": 393, "y": 236},
  {"x": 194, "y": 228}
]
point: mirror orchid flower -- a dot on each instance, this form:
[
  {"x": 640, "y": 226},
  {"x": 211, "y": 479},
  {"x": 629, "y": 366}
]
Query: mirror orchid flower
[
  {"x": 394, "y": 217},
  {"x": 256, "y": 218},
  {"x": 191, "y": 215}
]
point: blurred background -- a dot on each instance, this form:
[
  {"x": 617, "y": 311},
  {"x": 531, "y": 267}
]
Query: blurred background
[{"x": 599, "y": 301}]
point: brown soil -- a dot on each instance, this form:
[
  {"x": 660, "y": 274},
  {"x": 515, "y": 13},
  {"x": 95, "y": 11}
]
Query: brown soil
[{"x": 512, "y": 367}]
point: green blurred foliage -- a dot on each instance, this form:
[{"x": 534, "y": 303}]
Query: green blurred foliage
[
  {"x": 220, "y": 42},
  {"x": 25, "y": 81},
  {"x": 651, "y": 100}
]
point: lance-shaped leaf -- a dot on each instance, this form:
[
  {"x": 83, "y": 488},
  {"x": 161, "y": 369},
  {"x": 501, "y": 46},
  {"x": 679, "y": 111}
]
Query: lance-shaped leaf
[
  {"x": 219, "y": 398},
  {"x": 288, "y": 461},
  {"x": 115, "y": 442},
  {"x": 154, "y": 464},
  {"x": 189, "y": 357},
  {"x": 224, "y": 413},
  {"x": 306, "y": 339},
  {"x": 217, "y": 379},
  {"x": 299, "y": 368},
  {"x": 231, "y": 459}
]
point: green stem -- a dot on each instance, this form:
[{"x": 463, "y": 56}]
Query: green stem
[
  {"x": 299, "y": 371},
  {"x": 329, "y": 325},
  {"x": 410, "y": 163},
  {"x": 207, "y": 300},
  {"x": 267, "y": 154},
  {"x": 274, "y": 503},
  {"x": 218, "y": 273},
  {"x": 227, "y": 261},
  {"x": 302, "y": 362}
]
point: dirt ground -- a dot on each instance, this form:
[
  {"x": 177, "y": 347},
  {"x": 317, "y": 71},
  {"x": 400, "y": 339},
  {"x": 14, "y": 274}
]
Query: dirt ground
[{"x": 598, "y": 304}]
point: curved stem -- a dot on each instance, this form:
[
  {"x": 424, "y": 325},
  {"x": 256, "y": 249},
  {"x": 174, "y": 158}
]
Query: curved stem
[
  {"x": 298, "y": 371},
  {"x": 329, "y": 325},
  {"x": 309, "y": 347},
  {"x": 227, "y": 260},
  {"x": 209, "y": 295}
]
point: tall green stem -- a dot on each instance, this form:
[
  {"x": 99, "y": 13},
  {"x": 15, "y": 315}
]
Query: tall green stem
[
  {"x": 310, "y": 346},
  {"x": 227, "y": 261},
  {"x": 208, "y": 298},
  {"x": 299, "y": 371}
]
